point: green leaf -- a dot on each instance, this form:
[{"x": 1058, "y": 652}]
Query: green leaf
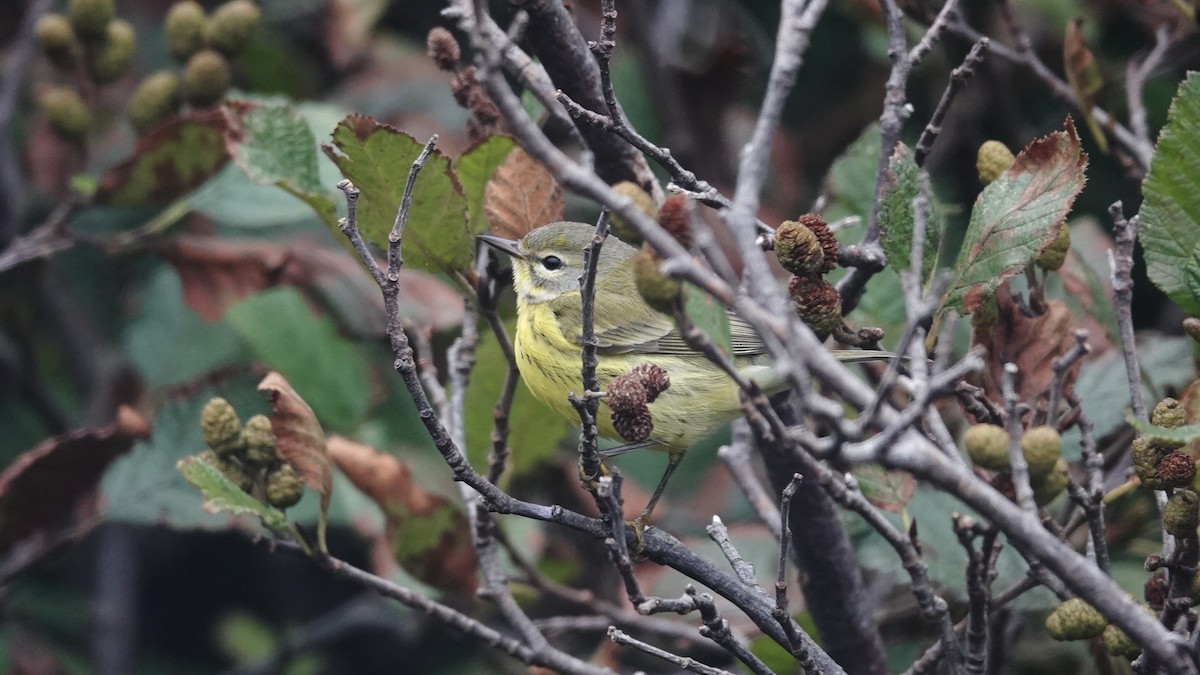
[
  {"x": 901, "y": 186},
  {"x": 273, "y": 145},
  {"x": 1017, "y": 216},
  {"x": 474, "y": 169},
  {"x": 222, "y": 496},
  {"x": 167, "y": 342},
  {"x": 1166, "y": 363},
  {"x": 284, "y": 334},
  {"x": 422, "y": 534},
  {"x": 708, "y": 315},
  {"x": 377, "y": 159},
  {"x": 1184, "y": 434},
  {"x": 851, "y": 181},
  {"x": 536, "y": 429},
  {"x": 172, "y": 160},
  {"x": 1170, "y": 214}
]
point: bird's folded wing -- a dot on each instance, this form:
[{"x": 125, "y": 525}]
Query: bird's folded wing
[{"x": 657, "y": 334}]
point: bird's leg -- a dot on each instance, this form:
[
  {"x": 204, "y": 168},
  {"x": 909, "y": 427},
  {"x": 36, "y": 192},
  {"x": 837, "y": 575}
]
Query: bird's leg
[
  {"x": 639, "y": 524},
  {"x": 672, "y": 464}
]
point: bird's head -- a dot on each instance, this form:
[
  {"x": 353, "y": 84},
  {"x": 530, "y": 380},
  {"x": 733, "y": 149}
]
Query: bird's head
[{"x": 548, "y": 261}]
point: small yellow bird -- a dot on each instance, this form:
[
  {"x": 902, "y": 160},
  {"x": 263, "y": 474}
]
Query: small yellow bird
[{"x": 547, "y": 266}]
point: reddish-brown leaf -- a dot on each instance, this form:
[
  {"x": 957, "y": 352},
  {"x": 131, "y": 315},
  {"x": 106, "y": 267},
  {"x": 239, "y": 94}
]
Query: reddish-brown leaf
[
  {"x": 216, "y": 273},
  {"x": 41, "y": 488},
  {"x": 174, "y": 158},
  {"x": 1032, "y": 343},
  {"x": 300, "y": 440},
  {"x": 521, "y": 196},
  {"x": 447, "y": 561}
]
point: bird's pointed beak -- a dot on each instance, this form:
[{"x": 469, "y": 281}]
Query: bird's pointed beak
[{"x": 503, "y": 245}]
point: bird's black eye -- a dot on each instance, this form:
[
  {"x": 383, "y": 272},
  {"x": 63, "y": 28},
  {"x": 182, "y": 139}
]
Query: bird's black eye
[{"x": 552, "y": 262}]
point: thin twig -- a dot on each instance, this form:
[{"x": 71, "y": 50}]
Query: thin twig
[
  {"x": 1026, "y": 56},
  {"x": 741, "y": 567},
  {"x": 688, "y": 664},
  {"x": 958, "y": 79},
  {"x": 1136, "y": 74},
  {"x": 1120, "y": 264},
  {"x": 545, "y": 656},
  {"x": 1060, "y": 367},
  {"x": 781, "y": 599},
  {"x": 737, "y": 459},
  {"x": 1016, "y": 459}
]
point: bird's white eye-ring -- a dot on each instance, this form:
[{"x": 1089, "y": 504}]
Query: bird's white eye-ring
[{"x": 552, "y": 262}]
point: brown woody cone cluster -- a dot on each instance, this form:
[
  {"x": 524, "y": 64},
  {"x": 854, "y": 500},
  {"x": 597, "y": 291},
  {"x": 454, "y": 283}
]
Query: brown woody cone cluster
[
  {"x": 628, "y": 395},
  {"x": 807, "y": 248},
  {"x": 443, "y": 48}
]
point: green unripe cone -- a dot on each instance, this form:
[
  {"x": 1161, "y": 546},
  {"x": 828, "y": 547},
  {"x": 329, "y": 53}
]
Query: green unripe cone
[
  {"x": 1075, "y": 619},
  {"x": 1180, "y": 516},
  {"x": 56, "y": 37},
  {"x": 798, "y": 249},
  {"x": 1055, "y": 254},
  {"x": 1042, "y": 446},
  {"x": 221, "y": 427},
  {"x": 229, "y": 28},
  {"x": 1117, "y": 643},
  {"x": 91, "y": 17},
  {"x": 644, "y": 203},
  {"x": 206, "y": 78},
  {"x": 660, "y": 292},
  {"x": 1144, "y": 453},
  {"x": 230, "y": 468},
  {"x": 185, "y": 29},
  {"x": 1169, "y": 413},
  {"x": 112, "y": 57},
  {"x": 1048, "y": 487},
  {"x": 987, "y": 446},
  {"x": 68, "y": 114},
  {"x": 992, "y": 160},
  {"x": 155, "y": 99},
  {"x": 284, "y": 488},
  {"x": 259, "y": 441}
]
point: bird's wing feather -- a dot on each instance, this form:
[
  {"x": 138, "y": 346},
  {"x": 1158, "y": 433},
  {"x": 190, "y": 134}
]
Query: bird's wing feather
[{"x": 657, "y": 335}]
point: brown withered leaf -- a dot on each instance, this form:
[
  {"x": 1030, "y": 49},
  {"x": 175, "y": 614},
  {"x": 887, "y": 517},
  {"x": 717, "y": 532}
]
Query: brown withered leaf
[
  {"x": 428, "y": 535},
  {"x": 216, "y": 273},
  {"x": 300, "y": 441},
  {"x": 42, "y": 487},
  {"x": 521, "y": 196},
  {"x": 1084, "y": 76},
  {"x": 1031, "y": 343}
]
